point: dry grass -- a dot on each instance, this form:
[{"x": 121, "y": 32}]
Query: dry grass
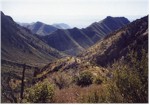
[{"x": 74, "y": 94}]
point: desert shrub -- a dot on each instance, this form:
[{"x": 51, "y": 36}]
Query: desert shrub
[
  {"x": 85, "y": 78},
  {"x": 40, "y": 93},
  {"x": 129, "y": 82},
  {"x": 97, "y": 80},
  {"x": 131, "y": 78},
  {"x": 62, "y": 80}
]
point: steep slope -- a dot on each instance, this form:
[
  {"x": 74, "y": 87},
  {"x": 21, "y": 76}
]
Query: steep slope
[
  {"x": 62, "y": 41},
  {"x": 61, "y": 26},
  {"x": 120, "y": 43},
  {"x": 80, "y": 39},
  {"x": 64, "y": 74},
  {"x": 20, "y": 45},
  {"x": 96, "y": 63},
  {"x": 40, "y": 28},
  {"x": 105, "y": 26},
  {"x": 113, "y": 47}
]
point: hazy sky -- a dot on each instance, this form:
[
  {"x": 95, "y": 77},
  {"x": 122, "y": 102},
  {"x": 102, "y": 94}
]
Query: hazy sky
[{"x": 76, "y": 13}]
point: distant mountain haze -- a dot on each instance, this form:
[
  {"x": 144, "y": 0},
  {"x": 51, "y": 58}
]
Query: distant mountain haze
[
  {"x": 43, "y": 29},
  {"x": 73, "y": 41},
  {"x": 40, "y": 28},
  {"x": 61, "y": 26}
]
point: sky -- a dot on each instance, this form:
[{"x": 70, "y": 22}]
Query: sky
[{"x": 76, "y": 13}]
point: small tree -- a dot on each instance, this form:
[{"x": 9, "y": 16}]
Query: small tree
[
  {"x": 84, "y": 79},
  {"x": 61, "y": 81}
]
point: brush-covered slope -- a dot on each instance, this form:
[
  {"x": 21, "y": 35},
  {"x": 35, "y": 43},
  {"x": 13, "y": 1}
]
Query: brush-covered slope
[
  {"x": 120, "y": 43},
  {"x": 113, "y": 47},
  {"x": 124, "y": 80},
  {"x": 20, "y": 45},
  {"x": 81, "y": 79},
  {"x": 73, "y": 41},
  {"x": 41, "y": 29}
]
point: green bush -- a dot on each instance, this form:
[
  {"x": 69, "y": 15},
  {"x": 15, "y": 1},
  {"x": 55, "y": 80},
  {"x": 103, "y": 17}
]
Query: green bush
[
  {"x": 40, "y": 93},
  {"x": 84, "y": 79}
]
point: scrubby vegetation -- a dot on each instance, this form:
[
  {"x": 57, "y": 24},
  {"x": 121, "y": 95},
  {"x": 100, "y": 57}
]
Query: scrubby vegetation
[
  {"x": 131, "y": 79},
  {"x": 42, "y": 92},
  {"x": 84, "y": 79},
  {"x": 114, "y": 70},
  {"x": 128, "y": 83},
  {"x": 61, "y": 80}
]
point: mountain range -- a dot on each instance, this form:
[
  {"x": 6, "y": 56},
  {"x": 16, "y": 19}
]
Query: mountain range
[
  {"x": 114, "y": 47},
  {"x": 83, "y": 65},
  {"x": 73, "y": 41},
  {"x": 20, "y": 45},
  {"x": 43, "y": 29},
  {"x": 117, "y": 45}
]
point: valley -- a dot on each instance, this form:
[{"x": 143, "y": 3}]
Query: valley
[{"x": 106, "y": 62}]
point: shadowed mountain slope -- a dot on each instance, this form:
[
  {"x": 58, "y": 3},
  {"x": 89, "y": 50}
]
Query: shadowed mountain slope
[
  {"x": 113, "y": 47},
  {"x": 120, "y": 43},
  {"x": 109, "y": 61},
  {"x": 73, "y": 41},
  {"x": 43, "y": 29},
  {"x": 20, "y": 45}
]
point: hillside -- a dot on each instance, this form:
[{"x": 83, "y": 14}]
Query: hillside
[
  {"x": 118, "y": 44},
  {"x": 20, "y": 45},
  {"x": 73, "y": 41},
  {"x": 107, "y": 72},
  {"x": 111, "y": 65},
  {"x": 113, "y": 47}
]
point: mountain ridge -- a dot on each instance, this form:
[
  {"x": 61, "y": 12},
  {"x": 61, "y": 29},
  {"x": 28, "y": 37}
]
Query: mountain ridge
[
  {"x": 19, "y": 44},
  {"x": 80, "y": 39},
  {"x": 61, "y": 26},
  {"x": 43, "y": 29},
  {"x": 127, "y": 38},
  {"x": 105, "y": 52}
]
